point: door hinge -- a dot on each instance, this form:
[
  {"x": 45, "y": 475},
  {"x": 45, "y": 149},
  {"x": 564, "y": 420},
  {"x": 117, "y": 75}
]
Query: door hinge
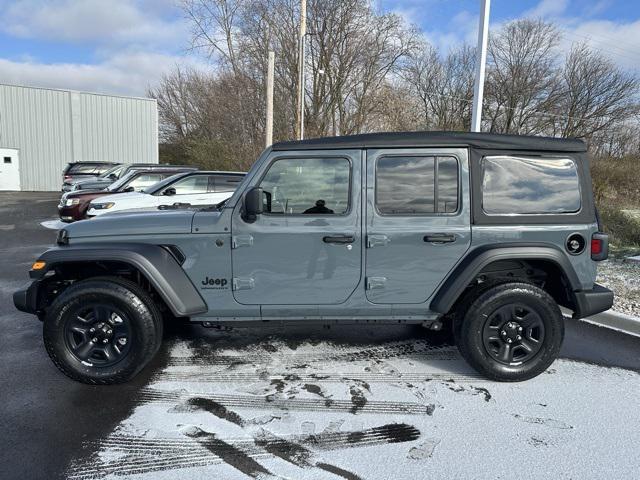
[
  {"x": 243, "y": 283},
  {"x": 238, "y": 241},
  {"x": 375, "y": 282},
  {"x": 377, "y": 240}
]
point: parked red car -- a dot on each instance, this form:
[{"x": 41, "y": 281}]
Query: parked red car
[{"x": 73, "y": 205}]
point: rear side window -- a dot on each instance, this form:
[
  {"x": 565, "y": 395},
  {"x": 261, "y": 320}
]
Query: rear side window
[
  {"x": 529, "y": 185},
  {"x": 417, "y": 185}
]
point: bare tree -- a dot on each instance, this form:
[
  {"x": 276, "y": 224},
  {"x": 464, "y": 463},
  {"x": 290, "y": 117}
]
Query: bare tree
[
  {"x": 444, "y": 86},
  {"x": 596, "y": 94},
  {"x": 523, "y": 78}
]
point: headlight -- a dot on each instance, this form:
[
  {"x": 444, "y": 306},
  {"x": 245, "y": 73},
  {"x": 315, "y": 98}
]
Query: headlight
[
  {"x": 72, "y": 201},
  {"x": 101, "y": 206}
]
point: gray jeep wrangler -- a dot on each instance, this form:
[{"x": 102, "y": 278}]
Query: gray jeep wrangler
[{"x": 482, "y": 234}]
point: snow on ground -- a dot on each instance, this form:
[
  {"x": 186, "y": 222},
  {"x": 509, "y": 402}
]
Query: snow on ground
[
  {"x": 623, "y": 277},
  {"x": 401, "y": 409}
]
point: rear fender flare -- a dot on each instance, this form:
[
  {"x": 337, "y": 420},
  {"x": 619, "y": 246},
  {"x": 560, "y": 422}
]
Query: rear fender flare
[{"x": 471, "y": 266}]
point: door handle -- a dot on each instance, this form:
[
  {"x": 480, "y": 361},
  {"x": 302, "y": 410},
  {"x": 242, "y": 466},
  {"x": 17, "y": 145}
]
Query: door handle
[
  {"x": 440, "y": 238},
  {"x": 339, "y": 239}
]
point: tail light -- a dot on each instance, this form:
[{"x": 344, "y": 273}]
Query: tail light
[{"x": 599, "y": 246}]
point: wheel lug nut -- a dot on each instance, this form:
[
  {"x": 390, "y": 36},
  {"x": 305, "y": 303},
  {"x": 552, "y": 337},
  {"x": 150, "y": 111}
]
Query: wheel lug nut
[
  {"x": 94, "y": 340},
  {"x": 92, "y": 329},
  {"x": 503, "y": 333},
  {"x": 105, "y": 340},
  {"x": 519, "y": 329},
  {"x": 518, "y": 338},
  {"x": 509, "y": 340}
]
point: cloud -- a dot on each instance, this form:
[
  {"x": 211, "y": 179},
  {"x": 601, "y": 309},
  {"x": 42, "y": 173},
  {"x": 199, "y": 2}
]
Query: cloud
[
  {"x": 616, "y": 40},
  {"x": 547, "y": 9},
  {"x": 123, "y": 74},
  {"x": 99, "y": 22}
]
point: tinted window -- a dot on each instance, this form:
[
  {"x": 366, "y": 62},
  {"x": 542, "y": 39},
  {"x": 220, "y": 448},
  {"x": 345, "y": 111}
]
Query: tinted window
[
  {"x": 89, "y": 168},
  {"x": 311, "y": 186},
  {"x": 416, "y": 185},
  {"x": 7, "y": 159},
  {"x": 192, "y": 185},
  {"x": 520, "y": 185}
]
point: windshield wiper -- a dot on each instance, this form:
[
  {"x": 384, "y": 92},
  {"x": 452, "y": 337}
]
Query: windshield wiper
[{"x": 217, "y": 207}]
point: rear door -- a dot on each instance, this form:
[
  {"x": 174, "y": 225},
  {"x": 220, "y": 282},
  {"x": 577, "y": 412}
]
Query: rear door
[{"x": 417, "y": 221}]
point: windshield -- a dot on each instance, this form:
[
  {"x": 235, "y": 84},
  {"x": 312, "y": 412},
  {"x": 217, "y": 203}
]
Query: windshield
[
  {"x": 115, "y": 170},
  {"x": 115, "y": 186}
]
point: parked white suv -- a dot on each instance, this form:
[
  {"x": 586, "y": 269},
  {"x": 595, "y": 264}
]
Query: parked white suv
[{"x": 189, "y": 188}]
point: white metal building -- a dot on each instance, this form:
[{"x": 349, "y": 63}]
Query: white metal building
[{"x": 42, "y": 129}]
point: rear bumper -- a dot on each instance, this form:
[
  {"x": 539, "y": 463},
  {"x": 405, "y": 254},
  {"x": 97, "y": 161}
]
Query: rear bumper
[
  {"x": 26, "y": 299},
  {"x": 590, "y": 302}
]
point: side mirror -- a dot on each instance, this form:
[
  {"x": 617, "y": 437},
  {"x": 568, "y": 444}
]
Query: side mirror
[
  {"x": 169, "y": 191},
  {"x": 253, "y": 205},
  {"x": 129, "y": 189},
  {"x": 113, "y": 176}
]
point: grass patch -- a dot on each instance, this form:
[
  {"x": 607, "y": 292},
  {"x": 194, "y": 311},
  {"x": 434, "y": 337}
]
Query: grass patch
[{"x": 616, "y": 186}]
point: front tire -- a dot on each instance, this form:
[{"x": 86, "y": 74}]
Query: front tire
[
  {"x": 102, "y": 331},
  {"x": 509, "y": 332}
]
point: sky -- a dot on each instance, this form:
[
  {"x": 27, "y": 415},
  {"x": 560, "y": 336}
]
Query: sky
[{"x": 124, "y": 46}]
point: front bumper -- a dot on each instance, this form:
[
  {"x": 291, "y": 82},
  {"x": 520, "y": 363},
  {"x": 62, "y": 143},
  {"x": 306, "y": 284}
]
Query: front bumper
[
  {"x": 27, "y": 298},
  {"x": 71, "y": 213},
  {"x": 590, "y": 302}
]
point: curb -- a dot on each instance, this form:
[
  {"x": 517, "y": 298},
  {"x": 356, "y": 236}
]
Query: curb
[{"x": 616, "y": 321}]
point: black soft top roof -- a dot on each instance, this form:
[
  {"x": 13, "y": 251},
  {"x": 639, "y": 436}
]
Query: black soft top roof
[{"x": 491, "y": 141}]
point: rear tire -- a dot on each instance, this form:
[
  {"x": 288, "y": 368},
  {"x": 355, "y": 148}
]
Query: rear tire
[
  {"x": 510, "y": 331},
  {"x": 102, "y": 330}
]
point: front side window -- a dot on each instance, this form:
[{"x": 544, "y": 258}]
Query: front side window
[
  {"x": 529, "y": 185},
  {"x": 308, "y": 186},
  {"x": 145, "y": 180},
  {"x": 192, "y": 185},
  {"x": 416, "y": 185},
  {"x": 226, "y": 184}
]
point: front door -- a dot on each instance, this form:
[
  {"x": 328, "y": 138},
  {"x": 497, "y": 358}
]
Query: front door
[
  {"x": 9, "y": 169},
  {"x": 417, "y": 221},
  {"x": 305, "y": 249}
]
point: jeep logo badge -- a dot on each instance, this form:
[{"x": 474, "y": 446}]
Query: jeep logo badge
[
  {"x": 575, "y": 244},
  {"x": 214, "y": 283}
]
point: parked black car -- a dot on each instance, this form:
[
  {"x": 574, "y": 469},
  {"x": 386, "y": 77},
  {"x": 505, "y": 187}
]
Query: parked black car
[{"x": 83, "y": 170}]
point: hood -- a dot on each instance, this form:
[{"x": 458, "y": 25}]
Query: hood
[{"x": 157, "y": 222}]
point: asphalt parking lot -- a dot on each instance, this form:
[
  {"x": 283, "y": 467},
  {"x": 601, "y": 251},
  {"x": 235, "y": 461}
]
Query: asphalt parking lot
[{"x": 354, "y": 403}]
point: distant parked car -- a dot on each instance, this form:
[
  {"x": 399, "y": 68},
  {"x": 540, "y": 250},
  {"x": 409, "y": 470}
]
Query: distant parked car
[
  {"x": 73, "y": 205},
  {"x": 80, "y": 170},
  {"x": 190, "y": 188},
  {"x": 107, "y": 178}
]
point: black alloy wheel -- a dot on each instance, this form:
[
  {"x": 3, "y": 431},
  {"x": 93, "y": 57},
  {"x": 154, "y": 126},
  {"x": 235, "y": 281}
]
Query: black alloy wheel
[
  {"x": 513, "y": 334},
  {"x": 99, "y": 335}
]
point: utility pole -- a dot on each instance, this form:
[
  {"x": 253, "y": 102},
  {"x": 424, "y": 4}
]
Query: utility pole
[
  {"x": 269, "y": 121},
  {"x": 478, "y": 90},
  {"x": 301, "y": 53}
]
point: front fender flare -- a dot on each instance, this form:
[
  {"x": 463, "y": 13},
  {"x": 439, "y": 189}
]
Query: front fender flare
[
  {"x": 467, "y": 270},
  {"x": 157, "y": 265}
]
